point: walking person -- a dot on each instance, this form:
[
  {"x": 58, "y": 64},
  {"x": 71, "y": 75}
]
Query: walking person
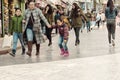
[
  {"x": 49, "y": 16},
  {"x": 33, "y": 31},
  {"x": 63, "y": 37},
  {"x": 16, "y": 29},
  {"x": 56, "y": 17},
  {"x": 98, "y": 19},
  {"x": 111, "y": 13},
  {"x": 76, "y": 17},
  {"x": 89, "y": 16},
  {"x": 102, "y": 18}
]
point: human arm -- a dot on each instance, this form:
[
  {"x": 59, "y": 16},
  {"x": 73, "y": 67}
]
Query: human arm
[{"x": 43, "y": 18}]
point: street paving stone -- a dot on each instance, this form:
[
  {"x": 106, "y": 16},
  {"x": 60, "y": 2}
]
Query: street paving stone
[{"x": 92, "y": 44}]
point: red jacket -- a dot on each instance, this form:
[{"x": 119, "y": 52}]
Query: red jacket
[{"x": 63, "y": 31}]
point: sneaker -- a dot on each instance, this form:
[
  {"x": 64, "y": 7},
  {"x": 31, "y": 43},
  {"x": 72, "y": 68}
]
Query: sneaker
[
  {"x": 110, "y": 45},
  {"x": 66, "y": 54},
  {"x": 113, "y": 43},
  {"x": 12, "y": 54},
  {"x": 62, "y": 51}
]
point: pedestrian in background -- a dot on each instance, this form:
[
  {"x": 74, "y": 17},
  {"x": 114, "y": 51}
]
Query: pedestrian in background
[
  {"x": 49, "y": 16},
  {"x": 111, "y": 13},
  {"x": 33, "y": 31},
  {"x": 16, "y": 29},
  {"x": 56, "y": 17},
  {"x": 89, "y": 16},
  {"x": 103, "y": 18},
  {"x": 98, "y": 19},
  {"x": 76, "y": 19}
]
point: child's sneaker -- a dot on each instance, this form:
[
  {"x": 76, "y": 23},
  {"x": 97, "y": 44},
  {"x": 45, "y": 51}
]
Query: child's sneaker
[
  {"x": 62, "y": 51},
  {"x": 12, "y": 54},
  {"x": 66, "y": 54}
]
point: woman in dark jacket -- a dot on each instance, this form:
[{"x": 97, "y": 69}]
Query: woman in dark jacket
[
  {"x": 111, "y": 13},
  {"x": 49, "y": 16},
  {"x": 76, "y": 17}
]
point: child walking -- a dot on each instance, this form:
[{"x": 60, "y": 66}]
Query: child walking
[
  {"x": 16, "y": 29},
  {"x": 63, "y": 37}
]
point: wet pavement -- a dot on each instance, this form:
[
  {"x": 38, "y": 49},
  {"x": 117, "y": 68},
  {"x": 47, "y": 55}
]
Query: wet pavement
[
  {"x": 104, "y": 67},
  {"x": 92, "y": 44}
]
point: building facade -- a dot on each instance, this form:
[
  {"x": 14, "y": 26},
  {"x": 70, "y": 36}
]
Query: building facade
[{"x": 7, "y": 11}]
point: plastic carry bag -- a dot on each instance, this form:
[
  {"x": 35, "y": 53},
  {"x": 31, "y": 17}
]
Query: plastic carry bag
[{"x": 7, "y": 41}]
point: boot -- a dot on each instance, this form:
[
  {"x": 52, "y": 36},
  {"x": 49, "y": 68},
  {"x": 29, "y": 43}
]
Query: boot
[
  {"x": 66, "y": 54},
  {"x": 23, "y": 51},
  {"x": 76, "y": 43},
  {"x": 62, "y": 51},
  {"x": 37, "y": 49},
  {"x": 29, "y": 48},
  {"x": 50, "y": 43}
]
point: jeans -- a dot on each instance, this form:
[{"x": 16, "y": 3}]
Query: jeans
[
  {"x": 17, "y": 36},
  {"x": 29, "y": 33},
  {"x": 62, "y": 44},
  {"x": 77, "y": 30},
  {"x": 88, "y": 26},
  {"x": 111, "y": 31}
]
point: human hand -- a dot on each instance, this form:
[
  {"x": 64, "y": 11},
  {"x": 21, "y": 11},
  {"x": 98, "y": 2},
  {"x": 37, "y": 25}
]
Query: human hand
[
  {"x": 49, "y": 26},
  {"x": 65, "y": 41},
  {"x": 23, "y": 21}
]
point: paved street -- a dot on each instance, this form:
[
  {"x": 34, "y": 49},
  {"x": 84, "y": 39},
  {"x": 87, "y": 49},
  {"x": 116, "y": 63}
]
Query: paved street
[
  {"x": 104, "y": 67},
  {"x": 93, "y": 59},
  {"x": 92, "y": 44}
]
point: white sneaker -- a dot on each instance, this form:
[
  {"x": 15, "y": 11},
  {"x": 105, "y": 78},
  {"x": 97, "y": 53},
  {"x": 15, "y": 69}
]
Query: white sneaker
[
  {"x": 110, "y": 45},
  {"x": 113, "y": 43}
]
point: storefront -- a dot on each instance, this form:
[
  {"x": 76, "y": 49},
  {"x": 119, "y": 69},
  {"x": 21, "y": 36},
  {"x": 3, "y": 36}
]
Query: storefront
[{"x": 8, "y": 10}]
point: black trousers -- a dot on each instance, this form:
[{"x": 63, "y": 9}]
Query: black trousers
[
  {"x": 77, "y": 32},
  {"x": 48, "y": 34},
  {"x": 111, "y": 27}
]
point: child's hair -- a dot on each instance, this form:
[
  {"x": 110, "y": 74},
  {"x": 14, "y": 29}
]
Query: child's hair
[
  {"x": 17, "y": 9},
  {"x": 60, "y": 19}
]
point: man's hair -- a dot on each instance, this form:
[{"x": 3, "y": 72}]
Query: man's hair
[
  {"x": 18, "y": 9},
  {"x": 31, "y": 2}
]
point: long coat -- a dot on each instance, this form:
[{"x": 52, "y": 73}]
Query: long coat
[
  {"x": 37, "y": 15},
  {"x": 77, "y": 21}
]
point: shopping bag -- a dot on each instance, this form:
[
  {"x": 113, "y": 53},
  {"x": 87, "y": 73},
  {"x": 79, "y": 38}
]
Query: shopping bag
[{"x": 7, "y": 41}]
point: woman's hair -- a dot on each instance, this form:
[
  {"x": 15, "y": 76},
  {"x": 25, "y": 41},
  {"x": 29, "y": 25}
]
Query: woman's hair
[
  {"x": 50, "y": 11},
  {"x": 75, "y": 10},
  {"x": 110, "y": 4}
]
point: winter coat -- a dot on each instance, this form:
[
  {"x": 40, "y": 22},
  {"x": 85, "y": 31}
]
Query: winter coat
[
  {"x": 77, "y": 21},
  {"x": 89, "y": 16},
  {"x": 16, "y": 24},
  {"x": 37, "y": 15}
]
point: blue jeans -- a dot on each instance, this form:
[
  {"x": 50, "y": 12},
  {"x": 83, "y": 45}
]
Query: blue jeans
[
  {"x": 29, "y": 33},
  {"x": 62, "y": 44},
  {"x": 17, "y": 36},
  {"x": 88, "y": 25}
]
